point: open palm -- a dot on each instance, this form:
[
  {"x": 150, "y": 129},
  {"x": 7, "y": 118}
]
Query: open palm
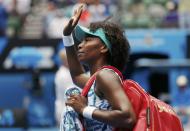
[{"x": 73, "y": 21}]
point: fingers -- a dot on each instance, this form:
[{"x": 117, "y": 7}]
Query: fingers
[
  {"x": 78, "y": 14},
  {"x": 70, "y": 101},
  {"x": 80, "y": 8},
  {"x": 68, "y": 28},
  {"x": 75, "y": 11},
  {"x": 72, "y": 98},
  {"x": 75, "y": 97},
  {"x": 71, "y": 21}
]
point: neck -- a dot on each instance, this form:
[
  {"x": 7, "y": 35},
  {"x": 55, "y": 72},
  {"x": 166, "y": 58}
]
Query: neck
[{"x": 97, "y": 65}]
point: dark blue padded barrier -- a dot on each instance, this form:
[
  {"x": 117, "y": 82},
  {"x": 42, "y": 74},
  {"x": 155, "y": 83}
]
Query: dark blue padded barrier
[
  {"x": 3, "y": 42},
  {"x": 12, "y": 91},
  {"x": 12, "y": 129}
]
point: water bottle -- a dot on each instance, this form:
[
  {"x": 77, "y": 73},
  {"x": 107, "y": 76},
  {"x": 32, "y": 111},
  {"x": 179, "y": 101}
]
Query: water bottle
[
  {"x": 72, "y": 91},
  {"x": 70, "y": 120}
]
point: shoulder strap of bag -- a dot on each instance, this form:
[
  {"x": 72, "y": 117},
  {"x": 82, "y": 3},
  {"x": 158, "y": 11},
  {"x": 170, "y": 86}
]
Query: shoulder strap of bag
[{"x": 88, "y": 86}]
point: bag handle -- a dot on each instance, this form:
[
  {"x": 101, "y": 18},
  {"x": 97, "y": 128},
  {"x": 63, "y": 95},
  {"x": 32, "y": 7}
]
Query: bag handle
[{"x": 88, "y": 86}]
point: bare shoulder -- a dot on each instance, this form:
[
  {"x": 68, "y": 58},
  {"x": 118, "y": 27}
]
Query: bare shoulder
[
  {"x": 107, "y": 76},
  {"x": 109, "y": 84}
]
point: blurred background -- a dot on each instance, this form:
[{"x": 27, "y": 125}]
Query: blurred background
[{"x": 30, "y": 45}]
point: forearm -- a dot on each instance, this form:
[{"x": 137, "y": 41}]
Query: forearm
[
  {"x": 115, "y": 118},
  {"x": 75, "y": 66}
]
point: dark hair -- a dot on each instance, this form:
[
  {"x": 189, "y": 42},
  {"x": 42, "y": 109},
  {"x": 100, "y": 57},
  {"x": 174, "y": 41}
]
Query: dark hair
[{"x": 120, "y": 47}]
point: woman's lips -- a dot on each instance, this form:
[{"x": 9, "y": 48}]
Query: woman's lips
[{"x": 80, "y": 53}]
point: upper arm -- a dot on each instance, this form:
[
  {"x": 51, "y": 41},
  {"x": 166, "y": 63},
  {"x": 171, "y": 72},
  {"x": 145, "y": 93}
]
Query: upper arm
[
  {"x": 81, "y": 80},
  {"x": 110, "y": 85}
]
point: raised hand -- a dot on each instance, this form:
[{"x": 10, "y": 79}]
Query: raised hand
[{"x": 73, "y": 21}]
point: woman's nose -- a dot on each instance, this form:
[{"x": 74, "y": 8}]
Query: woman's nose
[{"x": 80, "y": 45}]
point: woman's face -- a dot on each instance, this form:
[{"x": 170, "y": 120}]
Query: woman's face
[{"x": 90, "y": 49}]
